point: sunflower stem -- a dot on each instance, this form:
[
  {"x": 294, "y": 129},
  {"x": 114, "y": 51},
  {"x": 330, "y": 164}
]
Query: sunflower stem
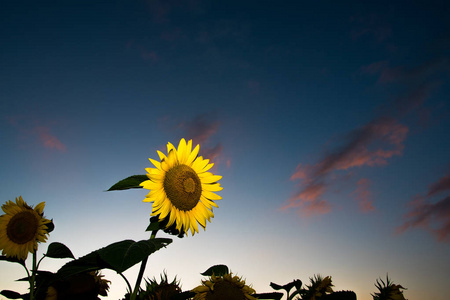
[
  {"x": 126, "y": 281},
  {"x": 141, "y": 272},
  {"x": 33, "y": 276}
]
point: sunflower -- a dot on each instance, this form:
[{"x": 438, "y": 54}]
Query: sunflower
[
  {"x": 21, "y": 228},
  {"x": 224, "y": 287},
  {"x": 161, "y": 290},
  {"x": 87, "y": 286},
  {"x": 182, "y": 189}
]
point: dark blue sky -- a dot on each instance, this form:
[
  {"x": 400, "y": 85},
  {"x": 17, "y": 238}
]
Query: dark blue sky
[{"x": 328, "y": 120}]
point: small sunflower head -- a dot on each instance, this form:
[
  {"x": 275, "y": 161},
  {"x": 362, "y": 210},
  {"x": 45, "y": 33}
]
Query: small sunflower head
[
  {"x": 160, "y": 290},
  {"x": 224, "y": 287},
  {"x": 388, "y": 290},
  {"x": 181, "y": 188},
  {"x": 22, "y": 227}
]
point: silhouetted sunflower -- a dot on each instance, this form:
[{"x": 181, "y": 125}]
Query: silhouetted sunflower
[
  {"x": 21, "y": 228},
  {"x": 182, "y": 189},
  {"x": 162, "y": 290},
  {"x": 224, "y": 287},
  {"x": 86, "y": 286}
]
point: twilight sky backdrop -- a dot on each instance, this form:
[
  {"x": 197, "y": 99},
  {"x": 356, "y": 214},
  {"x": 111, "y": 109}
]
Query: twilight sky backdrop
[{"x": 328, "y": 121}]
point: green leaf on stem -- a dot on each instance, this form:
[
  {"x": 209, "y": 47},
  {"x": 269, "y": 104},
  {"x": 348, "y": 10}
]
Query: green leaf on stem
[
  {"x": 118, "y": 256},
  {"x": 11, "y": 294},
  {"x": 217, "y": 270},
  {"x": 131, "y": 182},
  {"x": 59, "y": 250},
  {"x": 123, "y": 255}
]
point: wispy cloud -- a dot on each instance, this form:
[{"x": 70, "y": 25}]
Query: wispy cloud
[
  {"x": 363, "y": 196},
  {"x": 433, "y": 216},
  {"x": 49, "y": 140},
  {"x": 371, "y": 145},
  {"x": 201, "y": 129},
  {"x": 43, "y": 133}
]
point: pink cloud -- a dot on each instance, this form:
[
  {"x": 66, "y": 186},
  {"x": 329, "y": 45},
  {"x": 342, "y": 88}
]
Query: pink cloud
[
  {"x": 42, "y": 133},
  {"x": 363, "y": 196},
  {"x": 407, "y": 75},
  {"x": 371, "y": 145},
  {"x": 314, "y": 208},
  {"x": 200, "y": 129},
  {"x": 300, "y": 173},
  {"x": 228, "y": 163},
  {"x": 48, "y": 140},
  {"x": 432, "y": 216},
  {"x": 441, "y": 185}
]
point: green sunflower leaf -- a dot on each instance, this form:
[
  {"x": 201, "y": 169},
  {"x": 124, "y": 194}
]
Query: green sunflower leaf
[
  {"x": 123, "y": 255},
  {"x": 11, "y": 294},
  {"x": 59, "y": 250},
  {"x": 269, "y": 296},
  {"x": 12, "y": 259},
  {"x": 131, "y": 182},
  {"x": 217, "y": 270},
  {"x": 118, "y": 256}
]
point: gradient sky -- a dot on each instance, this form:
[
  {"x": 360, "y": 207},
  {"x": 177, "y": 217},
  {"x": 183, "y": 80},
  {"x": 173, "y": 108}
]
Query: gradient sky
[{"x": 328, "y": 122}]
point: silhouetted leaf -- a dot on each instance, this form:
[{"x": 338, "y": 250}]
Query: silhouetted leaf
[
  {"x": 11, "y": 294},
  {"x": 59, "y": 250},
  {"x": 287, "y": 287},
  {"x": 131, "y": 182},
  {"x": 217, "y": 270},
  {"x": 118, "y": 256},
  {"x": 123, "y": 255},
  {"x": 268, "y": 296},
  {"x": 12, "y": 259}
]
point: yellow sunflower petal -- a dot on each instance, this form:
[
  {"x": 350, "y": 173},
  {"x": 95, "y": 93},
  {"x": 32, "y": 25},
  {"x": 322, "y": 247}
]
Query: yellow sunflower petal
[
  {"x": 157, "y": 164},
  {"x": 161, "y": 155},
  {"x": 215, "y": 187},
  {"x": 40, "y": 208},
  {"x": 209, "y": 177},
  {"x": 211, "y": 195},
  {"x": 182, "y": 151},
  {"x": 192, "y": 156}
]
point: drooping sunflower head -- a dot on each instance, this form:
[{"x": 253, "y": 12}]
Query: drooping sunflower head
[
  {"x": 22, "y": 227},
  {"x": 181, "y": 188},
  {"x": 224, "y": 287}
]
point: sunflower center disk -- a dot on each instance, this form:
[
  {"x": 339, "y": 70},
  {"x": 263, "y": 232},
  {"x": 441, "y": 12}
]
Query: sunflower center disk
[
  {"x": 22, "y": 227},
  {"x": 183, "y": 187},
  {"x": 224, "y": 290}
]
